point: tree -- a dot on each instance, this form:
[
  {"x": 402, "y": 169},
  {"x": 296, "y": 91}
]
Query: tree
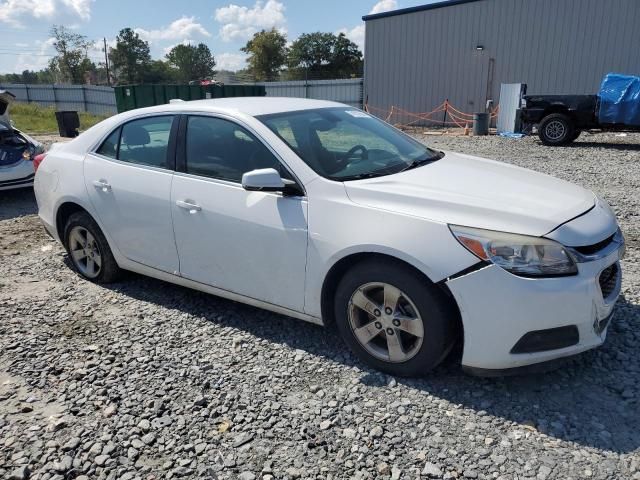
[
  {"x": 130, "y": 57},
  {"x": 158, "y": 71},
  {"x": 324, "y": 55},
  {"x": 192, "y": 62},
  {"x": 71, "y": 61},
  {"x": 267, "y": 54},
  {"x": 311, "y": 51},
  {"x": 347, "y": 57}
]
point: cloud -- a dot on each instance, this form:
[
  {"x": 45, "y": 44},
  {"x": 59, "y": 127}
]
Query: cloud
[
  {"x": 356, "y": 34},
  {"x": 230, "y": 61},
  {"x": 27, "y": 61},
  {"x": 15, "y": 12},
  {"x": 184, "y": 27},
  {"x": 82, "y": 8},
  {"x": 384, "y": 6},
  {"x": 240, "y": 23}
]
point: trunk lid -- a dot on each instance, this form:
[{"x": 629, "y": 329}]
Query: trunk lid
[{"x": 6, "y": 99}]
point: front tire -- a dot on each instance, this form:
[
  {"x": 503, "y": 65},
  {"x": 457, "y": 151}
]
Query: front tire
[
  {"x": 556, "y": 129},
  {"x": 89, "y": 250},
  {"x": 393, "y": 319}
]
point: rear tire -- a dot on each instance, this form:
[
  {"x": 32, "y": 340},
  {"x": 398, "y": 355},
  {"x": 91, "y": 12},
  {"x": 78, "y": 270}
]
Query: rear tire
[
  {"x": 556, "y": 129},
  {"x": 89, "y": 250},
  {"x": 393, "y": 319}
]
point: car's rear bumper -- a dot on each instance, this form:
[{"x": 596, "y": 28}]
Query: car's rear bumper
[
  {"x": 17, "y": 176},
  {"x": 499, "y": 309}
]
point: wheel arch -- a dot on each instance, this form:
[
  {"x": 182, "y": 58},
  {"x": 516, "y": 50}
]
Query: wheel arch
[
  {"x": 63, "y": 212},
  {"x": 340, "y": 268},
  {"x": 563, "y": 109}
]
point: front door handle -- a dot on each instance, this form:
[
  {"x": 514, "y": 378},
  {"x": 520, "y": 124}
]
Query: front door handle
[
  {"x": 102, "y": 184},
  {"x": 192, "y": 207}
]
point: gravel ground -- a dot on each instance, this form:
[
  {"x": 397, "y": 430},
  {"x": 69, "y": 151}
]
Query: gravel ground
[{"x": 147, "y": 380}]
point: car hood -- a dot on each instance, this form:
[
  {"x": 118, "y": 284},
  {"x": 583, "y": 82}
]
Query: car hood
[
  {"x": 6, "y": 99},
  {"x": 471, "y": 191}
]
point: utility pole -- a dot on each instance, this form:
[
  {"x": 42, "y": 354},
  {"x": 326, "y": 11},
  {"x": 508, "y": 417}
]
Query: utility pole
[{"x": 106, "y": 61}]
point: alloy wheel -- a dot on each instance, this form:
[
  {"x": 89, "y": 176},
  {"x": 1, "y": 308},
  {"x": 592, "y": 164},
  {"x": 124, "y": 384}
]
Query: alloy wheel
[
  {"x": 555, "y": 130},
  {"x": 85, "y": 252},
  {"x": 385, "y": 322}
]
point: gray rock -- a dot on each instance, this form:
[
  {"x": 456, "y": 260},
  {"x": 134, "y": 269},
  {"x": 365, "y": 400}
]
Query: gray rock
[
  {"x": 71, "y": 444},
  {"x": 20, "y": 473},
  {"x": 431, "y": 470},
  {"x": 376, "y": 432}
]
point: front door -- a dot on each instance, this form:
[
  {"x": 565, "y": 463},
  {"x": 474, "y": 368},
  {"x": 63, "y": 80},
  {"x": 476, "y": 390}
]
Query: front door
[
  {"x": 250, "y": 243},
  {"x": 129, "y": 183}
]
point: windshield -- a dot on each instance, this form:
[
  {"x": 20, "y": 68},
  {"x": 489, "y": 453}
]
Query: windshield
[{"x": 347, "y": 144}]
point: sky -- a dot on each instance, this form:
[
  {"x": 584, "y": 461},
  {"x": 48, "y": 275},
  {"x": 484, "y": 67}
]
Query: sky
[{"x": 225, "y": 26}]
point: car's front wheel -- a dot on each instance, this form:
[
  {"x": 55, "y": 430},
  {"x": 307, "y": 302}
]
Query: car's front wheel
[
  {"x": 393, "y": 319},
  {"x": 89, "y": 250}
]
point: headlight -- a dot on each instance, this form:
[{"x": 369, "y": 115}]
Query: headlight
[{"x": 519, "y": 254}]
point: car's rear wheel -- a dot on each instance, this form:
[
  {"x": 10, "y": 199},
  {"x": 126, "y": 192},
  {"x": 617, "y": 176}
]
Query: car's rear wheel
[
  {"x": 89, "y": 250},
  {"x": 556, "y": 129},
  {"x": 393, "y": 319}
]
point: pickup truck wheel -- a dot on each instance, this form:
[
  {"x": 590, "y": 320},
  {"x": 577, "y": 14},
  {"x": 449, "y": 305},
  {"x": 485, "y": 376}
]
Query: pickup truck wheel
[
  {"x": 392, "y": 319},
  {"x": 556, "y": 129}
]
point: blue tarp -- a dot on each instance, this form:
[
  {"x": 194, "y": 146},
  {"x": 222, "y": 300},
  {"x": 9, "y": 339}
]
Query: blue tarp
[{"x": 620, "y": 99}]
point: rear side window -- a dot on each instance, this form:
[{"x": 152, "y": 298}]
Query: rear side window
[
  {"x": 109, "y": 147},
  {"x": 141, "y": 142}
]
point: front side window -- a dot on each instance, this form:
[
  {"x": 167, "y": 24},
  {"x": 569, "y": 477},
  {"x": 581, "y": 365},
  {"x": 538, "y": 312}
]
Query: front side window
[
  {"x": 346, "y": 143},
  {"x": 142, "y": 142},
  {"x": 221, "y": 149}
]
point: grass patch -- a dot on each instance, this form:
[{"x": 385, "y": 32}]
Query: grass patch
[{"x": 33, "y": 118}]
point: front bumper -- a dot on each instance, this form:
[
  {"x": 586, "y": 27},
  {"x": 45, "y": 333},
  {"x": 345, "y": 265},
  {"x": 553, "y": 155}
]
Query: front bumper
[{"x": 499, "y": 308}]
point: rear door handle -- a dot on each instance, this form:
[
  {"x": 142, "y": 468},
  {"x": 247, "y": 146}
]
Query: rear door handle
[
  {"x": 102, "y": 184},
  {"x": 192, "y": 207}
]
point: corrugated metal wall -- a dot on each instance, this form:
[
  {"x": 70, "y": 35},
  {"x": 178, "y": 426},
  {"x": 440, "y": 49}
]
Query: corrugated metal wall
[
  {"x": 83, "y": 98},
  {"x": 347, "y": 91},
  {"x": 416, "y": 60}
]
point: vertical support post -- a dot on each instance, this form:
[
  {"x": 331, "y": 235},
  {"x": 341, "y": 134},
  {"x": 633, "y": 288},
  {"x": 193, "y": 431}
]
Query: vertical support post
[
  {"x": 26, "y": 89},
  {"x": 446, "y": 110},
  {"x": 84, "y": 99},
  {"x": 55, "y": 97}
]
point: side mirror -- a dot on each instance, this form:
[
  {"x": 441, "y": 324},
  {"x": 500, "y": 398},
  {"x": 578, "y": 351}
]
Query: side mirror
[{"x": 263, "y": 180}]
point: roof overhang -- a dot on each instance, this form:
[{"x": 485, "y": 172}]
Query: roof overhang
[{"x": 419, "y": 8}]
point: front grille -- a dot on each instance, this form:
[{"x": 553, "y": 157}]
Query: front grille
[
  {"x": 596, "y": 247},
  {"x": 608, "y": 279}
]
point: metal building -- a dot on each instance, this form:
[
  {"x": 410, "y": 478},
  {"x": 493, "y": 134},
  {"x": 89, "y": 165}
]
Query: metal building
[{"x": 464, "y": 49}]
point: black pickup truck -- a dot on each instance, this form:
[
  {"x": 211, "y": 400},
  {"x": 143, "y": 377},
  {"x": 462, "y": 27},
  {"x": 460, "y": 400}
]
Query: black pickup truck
[{"x": 561, "y": 118}]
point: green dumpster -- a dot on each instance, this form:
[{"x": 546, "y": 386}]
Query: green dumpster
[{"x": 129, "y": 97}]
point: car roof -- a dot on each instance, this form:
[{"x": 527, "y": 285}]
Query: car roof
[{"x": 252, "y": 106}]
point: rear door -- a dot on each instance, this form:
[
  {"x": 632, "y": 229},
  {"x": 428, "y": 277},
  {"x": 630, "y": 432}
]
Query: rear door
[{"x": 129, "y": 183}]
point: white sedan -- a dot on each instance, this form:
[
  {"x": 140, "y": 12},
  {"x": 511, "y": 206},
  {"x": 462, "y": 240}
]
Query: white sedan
[{"x": 319, "y": 211}]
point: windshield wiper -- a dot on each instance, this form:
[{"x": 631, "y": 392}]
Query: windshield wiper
[{"x": 418, "y": 162}]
